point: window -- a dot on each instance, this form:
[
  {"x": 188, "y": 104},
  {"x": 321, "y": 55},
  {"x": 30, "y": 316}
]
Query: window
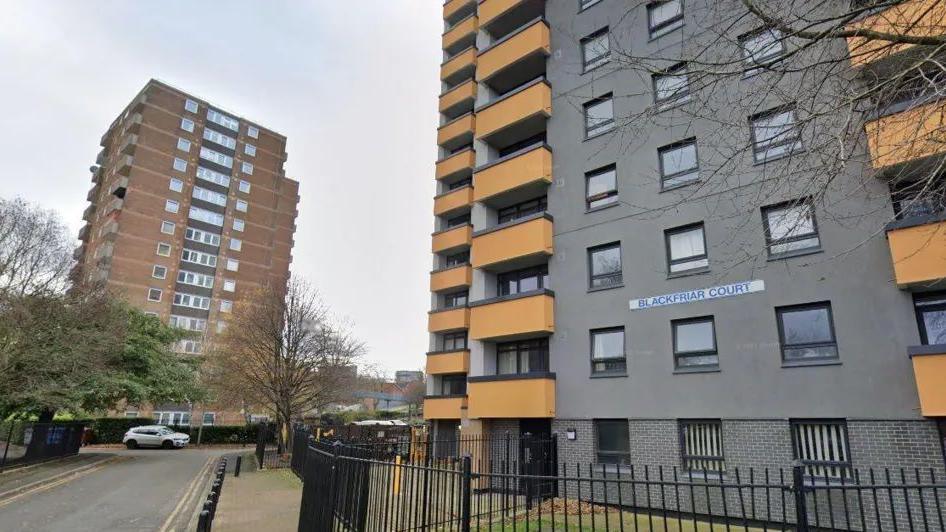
[
  {"x": 244, "y": 186},
  {"x": 176, "y": 185},
  {"x": 172, "y": 418},
  {"x": 195, "y": 279},
  {"x": 527, "y": 356},
  {"x": 599, "y": 116},
  {"x": 226, "y": 305},
  {"x": 252, "y": 132},
  {"x": 197, "y": 257},
  {"x": 694, "y": 343},
  {"x": 154, "y": 294},
  {"x": 180, "y": 164},
  {"x": 216, "y": 157},
  {"x": 238, "y": 225},
  {"x": 236, "y": 244},
  {"x": 457, "y": 259},
  {"x": 159, "y": 272},
  {"x": 678, "y": 164},
  {"x": 203, "y": 215},
  {"x": 184, "y": 322},
  {"x": 184, "y": 145},
  {"x": 525, "y": 280},
  {"x": 167, "y": 227},
  {"x": 190, "y": 105},
  {"x": 806, "y": 332},
  {"x": 203, "y": 237},
  {"x": 241, "y": 205},
  {"x": 456, "y": 299},
  {"x": 247, "y": 168},
  {"x": 686, "y": 249},
  {"x": 664, "y": 17},
  {"x": 790, "y": 228},
  {"x": 164, "y": 249},
  {"x": 607, "y": 351},
  {"x": 221, "y": 326},
  {"x": 701, "y": 442},
  {"x": 601, "y": 187},
  {"x": 463, "y": 219},
  {"x": 822, "y": 447},
  {"x": 192, "y": 301},
  {"x": 209, "y": 418},
  {"x": 922, "y": 197},
  {"x": 454, "y": 341},
  {"x": 249, "y": 149},
  {"x": 219, "y": 118},
  {"x": 187, "y": 125},
  {"x": 453, "y": 385},
  {"x": 604, "y": 265},
  {"x": 210, "y": 196},
  {"x": 219, "y": 138},
  {"x": 672, "y": 86},
  {"x": 521, "y": 210},
  {"x": 931, "y": 317},
  {"x": 233, "y": 265},
  {"x": 595, "y": 50},
  {"x": 189, "y": 347},
  {"x": 774, "y": 134},
  {"x": 214, "y": 177},
  {"x": 761, "y": 47},
  {"x": 460, "y": 184},
  {"x": 131, "y": 414},
  {"x": 229, "y": 285},
  {"x": 612, "y": 441}
]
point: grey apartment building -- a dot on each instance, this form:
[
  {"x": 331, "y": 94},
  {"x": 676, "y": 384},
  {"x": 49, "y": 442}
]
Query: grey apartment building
[{"x": 603, "y": 286}]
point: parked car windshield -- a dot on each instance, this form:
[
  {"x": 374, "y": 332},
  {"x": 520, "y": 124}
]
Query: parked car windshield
[{"x": 165, "y": 431}]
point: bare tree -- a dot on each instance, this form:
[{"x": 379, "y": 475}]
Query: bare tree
[
  {"x": 35, "y": 251},
  {"x": 282, "y": 351},
  {"x": 819, "y": 103}
]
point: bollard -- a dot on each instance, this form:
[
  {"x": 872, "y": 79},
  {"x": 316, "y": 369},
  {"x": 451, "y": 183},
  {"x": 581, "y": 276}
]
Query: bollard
[
  {"x": 236, "y": 468},
  {"x": 203, "y": 522}
]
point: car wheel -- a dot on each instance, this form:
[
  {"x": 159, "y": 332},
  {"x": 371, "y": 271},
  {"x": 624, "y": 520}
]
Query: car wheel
[
  {"x": 167, "y": 444},
  {"x": 131, "y": 444}
]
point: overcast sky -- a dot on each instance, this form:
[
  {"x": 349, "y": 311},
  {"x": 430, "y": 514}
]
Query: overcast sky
[{"x": 352, "y": 85}]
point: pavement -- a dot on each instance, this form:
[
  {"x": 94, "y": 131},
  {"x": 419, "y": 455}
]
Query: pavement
[
  {"x": 106, "y": 489},
  {"x": 259, "y": 500}
]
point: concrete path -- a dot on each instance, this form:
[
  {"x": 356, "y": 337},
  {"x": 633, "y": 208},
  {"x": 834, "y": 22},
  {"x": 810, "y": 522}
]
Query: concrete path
[
  {"x": 259, "y": 500},
  {"x": 146, "y": 490}
]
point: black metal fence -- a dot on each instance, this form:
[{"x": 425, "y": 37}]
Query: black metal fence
[
  {"x": 26, "y": 442},
  {"x": 271, "y": 452},
  {"x": 350, "y": 488}
]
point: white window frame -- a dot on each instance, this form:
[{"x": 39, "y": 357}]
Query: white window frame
[
  {"x": 203, "y": 215},
  {"x": 187, "y": 125},
  {"x": 233, "y": 265},
  {"x": 154, "y": 272},
  {"x": 195, "y": 279},
  {"x": 165, "y": 224},
  {"x": 219, "y": 138},
  {"x": 239, "y": 225},
  {"x": 252, "y": 132},
  {"x": 226, "y": 121},
  {"x": 163, "y": 245},
  {"x": 216, "y": 157},
  {"x": 213, "y": 176},
  {"x": 247, "y": 168},
  {"x": 236, "y": 244},
  {"x": 182, "y": 299},
  {"x": 209, "y": 196},
  {"x": 241, "y": 205},
  {"x": 213, "y": 419},
  {"x": 198, "y": 257},
  {"x": 249, "y": 149},
  {"x": 172, "y": 206},
  {"x": 179, "y": 164},
  {"x": 226, "y": 306},
  {"x": 244, "y": 186},
  {"x": 153, "y": 291},
  {"x": 184, "y": 145},
  {"x": 229, "y": 285},
  {"x": 204, "y": 237},
  {"x": 187, "y": 323},
  {"x": 190, "y": 106},
  {"x": 176, "y": 185}
]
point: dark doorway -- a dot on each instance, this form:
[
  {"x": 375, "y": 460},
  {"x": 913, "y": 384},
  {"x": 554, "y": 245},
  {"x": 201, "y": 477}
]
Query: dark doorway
[{"x": 538, "y": 457}]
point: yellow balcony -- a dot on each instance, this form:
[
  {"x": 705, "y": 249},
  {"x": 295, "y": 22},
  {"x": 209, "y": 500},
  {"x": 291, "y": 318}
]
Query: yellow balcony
[
  {"x": 455, "y": 237},
  {"x": 450, "y": 278},
  {"x": 511, "y": 396},
  {"x": 513, "y": 316},
  {"x": 521, "y": 113},
  {"x": 460, "y": 36},
  {"x": 444, "y": 363},
  {"x": 929, "y": 370},
  {"x": 448, "y": 407},
  {"x": 524, "y": 50},
  {"x": 458, "y": 164},
  {"x": 918, "y": 251},
  {"x": 452, "y": 200},
  {"x": 916, "y": 18},
  {"x": 456, "y": 132},
  {"x": 459, "y": 67},
  {"x": 454, "y": 319},
  {"x": 912, "y": 134},
  {"x": 457, "y": 9},
  {"x": 458, "y": 98},
  {"x": 528, "y": 168},
  {"x": 517, "y": 240}
]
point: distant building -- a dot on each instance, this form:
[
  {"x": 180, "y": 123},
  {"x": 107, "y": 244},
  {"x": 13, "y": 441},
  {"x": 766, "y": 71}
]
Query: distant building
[{"x": 405, "y": 377}]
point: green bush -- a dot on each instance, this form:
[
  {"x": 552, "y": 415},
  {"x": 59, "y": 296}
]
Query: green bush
[{"x": 111, "y": 430}]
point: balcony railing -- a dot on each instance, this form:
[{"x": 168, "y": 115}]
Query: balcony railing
[
  {"x": 526, "y": 237},
  {"x": 452, "y": 238},
  {"x": 452, "y": 200},
  {"x": 507, "y": 317},
  {"x": 444, "y": 406},
  {"x": 453, "y": 319},
  {"x": 455, "y": 10},
  {"x": 449, "y": 278},
  {"x": 916, "y": 18},
  {"x": 459, "y": 67},
  {"x": 456, "y": 132},
  {"x": 458, "y": 100},
  {"x": 530, "y": 395},
  {"x": 918, "y": 250},
  {"x": 901, "y": 137},
  {"x": 461, "y": 35},
  {"x": 929, "y": 370},
  {"x": 520, "y": 170},
  {"x": 448, "y": 362},
  {"x": 459, "y": 164},
  {"x": 520, "y": 56},
  {"x": 520, "y": 113}
]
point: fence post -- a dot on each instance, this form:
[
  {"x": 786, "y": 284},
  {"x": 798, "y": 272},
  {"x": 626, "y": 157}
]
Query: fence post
[
  {"x": 466, "y": 495},
  {"x": 7, "y": 448},
  {"x": 236, "y": 468},
  {"x": 801, "y": 504}
]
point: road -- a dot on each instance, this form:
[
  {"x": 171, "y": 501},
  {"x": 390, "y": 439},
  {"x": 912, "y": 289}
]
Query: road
[{"x": 145, "y": 489}]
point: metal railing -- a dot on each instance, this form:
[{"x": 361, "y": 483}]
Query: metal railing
[{"x": 26, "y": 442}]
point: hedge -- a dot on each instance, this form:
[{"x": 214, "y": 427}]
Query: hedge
[{"x": 111, "y": 430}]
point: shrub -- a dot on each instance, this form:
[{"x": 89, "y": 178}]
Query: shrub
[{"x": 110, "y": 430}]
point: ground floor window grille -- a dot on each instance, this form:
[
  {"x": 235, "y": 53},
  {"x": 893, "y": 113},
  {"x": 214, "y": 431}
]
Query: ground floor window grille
[
  {"x": 702, "y": 445},
  {"x": 822, "y": 447}
]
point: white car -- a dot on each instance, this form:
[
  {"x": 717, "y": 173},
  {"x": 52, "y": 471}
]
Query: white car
[{"x": 154, "y": 436}]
